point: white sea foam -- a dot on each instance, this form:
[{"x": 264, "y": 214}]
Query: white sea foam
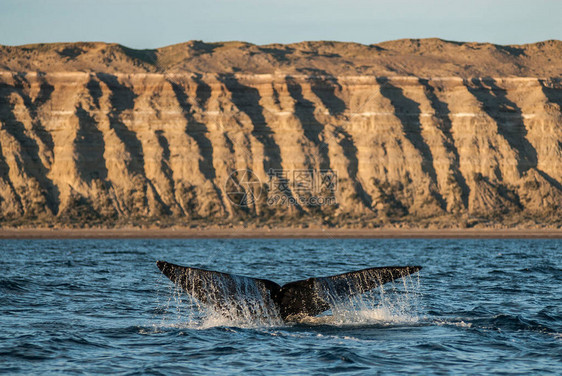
[{"x": 460, "y": 324}]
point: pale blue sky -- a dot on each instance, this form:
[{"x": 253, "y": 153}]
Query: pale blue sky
[{"x": 156, "y": 23}]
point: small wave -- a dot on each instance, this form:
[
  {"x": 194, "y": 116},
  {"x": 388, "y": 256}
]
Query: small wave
[
  {"x": 547, "y": 315},
  {"x": 501, "y": 322},
  {"x": 516, "y": 322},
  {"x": 27, "y": 351},
  {"x": 13, "y": 285}
]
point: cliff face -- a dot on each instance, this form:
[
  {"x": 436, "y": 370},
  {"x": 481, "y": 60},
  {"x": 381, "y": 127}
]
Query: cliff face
[{"x": 137, "y": 143}]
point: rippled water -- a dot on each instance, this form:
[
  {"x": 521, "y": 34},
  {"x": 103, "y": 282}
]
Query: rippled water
[{"x": 102, "y": 306}]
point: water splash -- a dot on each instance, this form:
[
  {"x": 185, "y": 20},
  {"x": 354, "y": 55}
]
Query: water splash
[
  {"x": 240, "y": 303},
  {"x": 389, "y": 304},
  {"x": 248, "y": 307}
]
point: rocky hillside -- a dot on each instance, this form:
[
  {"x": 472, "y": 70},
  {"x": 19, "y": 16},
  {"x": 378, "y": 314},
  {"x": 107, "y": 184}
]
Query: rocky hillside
[{"x": 410, "y": 132}]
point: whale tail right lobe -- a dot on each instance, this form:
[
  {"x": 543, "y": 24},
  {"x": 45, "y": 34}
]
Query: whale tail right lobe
[{"x": 312, "y": 296}]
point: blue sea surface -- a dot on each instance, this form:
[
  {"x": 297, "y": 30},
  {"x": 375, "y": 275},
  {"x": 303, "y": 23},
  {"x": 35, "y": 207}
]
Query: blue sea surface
[{"x": 103, "y": 307}]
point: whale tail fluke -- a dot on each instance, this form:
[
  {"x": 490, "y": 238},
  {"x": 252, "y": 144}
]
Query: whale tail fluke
[
  {"x": 216, "y": 288},
  {"x": 293, "y": 300},
  {"x": 313, "y": 296}
]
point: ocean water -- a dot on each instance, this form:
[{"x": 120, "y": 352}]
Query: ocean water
[{"x": 102, "y": 306}]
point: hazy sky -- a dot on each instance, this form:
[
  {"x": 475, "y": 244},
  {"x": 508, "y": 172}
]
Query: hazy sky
[{"x": 155, "y": 23}]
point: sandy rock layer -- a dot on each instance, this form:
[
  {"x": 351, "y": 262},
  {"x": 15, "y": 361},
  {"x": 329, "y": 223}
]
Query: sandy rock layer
[{"x": 133, "y": 142}]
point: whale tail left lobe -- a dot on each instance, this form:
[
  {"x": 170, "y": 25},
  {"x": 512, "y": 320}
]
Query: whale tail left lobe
[{"x": 219, "y": 289}]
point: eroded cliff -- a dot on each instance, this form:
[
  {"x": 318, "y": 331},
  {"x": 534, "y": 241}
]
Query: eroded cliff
[{"x": 153, "y": 137}]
